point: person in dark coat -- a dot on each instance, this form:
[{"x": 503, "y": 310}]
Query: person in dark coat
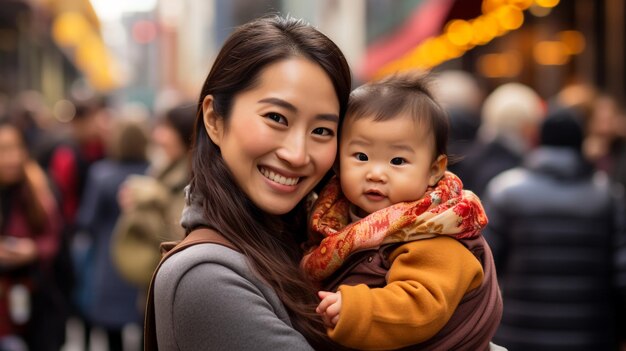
[
  {"x": 108, "y": 301},
  {"x": 510, "y": 117},
  {"x": 461, "y": 95},
  {"x": 553, "y": 224}
]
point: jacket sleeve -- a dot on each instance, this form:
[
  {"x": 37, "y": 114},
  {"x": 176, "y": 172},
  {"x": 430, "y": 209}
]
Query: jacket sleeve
[
  {"x": 90, "y": 202},
  {"x": 619, "y": 228},
  {"x": 426, "y": 281},
  {"x": 496, "y": 232}
]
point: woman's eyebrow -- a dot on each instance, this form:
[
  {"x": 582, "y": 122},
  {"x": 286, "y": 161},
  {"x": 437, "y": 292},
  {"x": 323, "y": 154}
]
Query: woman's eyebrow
[
  {"x": 328, "y": 117},
  {"x": 280, "y": 102}
]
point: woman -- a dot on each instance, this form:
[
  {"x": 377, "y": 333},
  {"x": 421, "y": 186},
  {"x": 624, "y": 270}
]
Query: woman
[
  {"x": 29, "y": 238},
  {"x": 266, "y": 134}
]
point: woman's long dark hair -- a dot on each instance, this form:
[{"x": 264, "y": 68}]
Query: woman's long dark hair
[{"x": 267, "y": 241}]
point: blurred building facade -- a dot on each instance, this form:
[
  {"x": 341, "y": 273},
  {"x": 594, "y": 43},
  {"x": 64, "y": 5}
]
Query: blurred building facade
[{"x": 54, "y": 46}]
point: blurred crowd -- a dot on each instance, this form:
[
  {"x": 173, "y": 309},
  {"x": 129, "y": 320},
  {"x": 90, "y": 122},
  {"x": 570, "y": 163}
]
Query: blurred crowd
[
  {"x": 86, "y": 199},
  {"x": 550, "y": 174},
  {"x": 87, "y": 192}
]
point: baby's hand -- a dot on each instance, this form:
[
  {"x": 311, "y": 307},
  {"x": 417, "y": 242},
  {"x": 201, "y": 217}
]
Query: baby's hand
[{"x": 329, "y": 307}]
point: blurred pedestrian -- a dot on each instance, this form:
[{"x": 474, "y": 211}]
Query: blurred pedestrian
[
  {"x": 152, "y": 203},
  {"x": 109, "y": 302},
  {"x": 66, "y": 157},
  {"x": 29, "y": 238},
  {"x": 552, "y": 226},
  {"x": 70, "y": 160},
  {"x": 461, "y": 96},
  {"x": 510, "y": 118},
  {"x": 605, "y": 143}
]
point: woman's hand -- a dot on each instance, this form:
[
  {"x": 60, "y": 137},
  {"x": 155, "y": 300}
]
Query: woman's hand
[
  {"x": 329, "y": 307},
  {"x": 17, "y": 252}
]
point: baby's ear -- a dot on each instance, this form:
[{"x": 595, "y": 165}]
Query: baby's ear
[{"x": 437, "y": 169}]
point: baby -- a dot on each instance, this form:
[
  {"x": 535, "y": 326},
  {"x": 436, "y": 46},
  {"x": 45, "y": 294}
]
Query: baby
[{"x": 396, "y": 235}]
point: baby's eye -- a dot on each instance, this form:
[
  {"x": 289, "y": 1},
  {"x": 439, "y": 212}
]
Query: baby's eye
[
  {"x": 361, "y": 156},
  {"x": 397, "y": 161},
  {"x": 323, "y": 131},
  {"x": 276, "y": 117}
]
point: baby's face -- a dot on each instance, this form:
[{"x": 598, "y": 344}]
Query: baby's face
[{"x": 383, "y": 163}]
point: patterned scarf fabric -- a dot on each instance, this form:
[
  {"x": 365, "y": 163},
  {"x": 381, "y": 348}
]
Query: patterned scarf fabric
[{"x": 445, "y": 209}]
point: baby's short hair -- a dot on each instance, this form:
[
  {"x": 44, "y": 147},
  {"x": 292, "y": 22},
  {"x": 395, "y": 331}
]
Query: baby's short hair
[{"x": 406, "y": 93}]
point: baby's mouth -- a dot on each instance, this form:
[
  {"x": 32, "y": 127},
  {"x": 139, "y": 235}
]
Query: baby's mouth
[
  {"x": 374, "y": 194},
  {"x": 277, "y": 178}
]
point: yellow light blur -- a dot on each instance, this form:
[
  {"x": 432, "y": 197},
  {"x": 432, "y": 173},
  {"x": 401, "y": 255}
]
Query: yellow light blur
[
  {"x": 509, "y": 17},
  {"x": 453, "y": 51},
  {"x": 551, "y": 53},
  {"x": 69, "y": 28},
  {"x": 498, "y": 18},
  {"x": 492, "y": 5},
  {"x": 500, "y": 65},
  {"x": 459, "y": 32},
  {"x": 102, "y": 79},
  {"x": 89, "y": 51},
  {"x": 485, "y": 29},
  {"x": 520, "y": 4},
  {"x": 547, "y": 3},
  {"x": 574, "y": 41}
]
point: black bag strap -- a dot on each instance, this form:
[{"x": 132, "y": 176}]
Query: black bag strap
[{"x": 198, "y": 236}]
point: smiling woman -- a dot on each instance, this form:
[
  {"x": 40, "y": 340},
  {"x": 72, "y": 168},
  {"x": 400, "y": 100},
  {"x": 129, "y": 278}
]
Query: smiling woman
[
  {"x": 293, "y": 112},
  {"x": 266, "y": 134}
]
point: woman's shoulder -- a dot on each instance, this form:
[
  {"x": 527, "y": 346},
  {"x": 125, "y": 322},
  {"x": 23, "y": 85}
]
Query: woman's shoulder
[
  {"x": 207, "y": 293},
  {"x": 212, "y": 256},
  {"x": 204, "y": 270}
]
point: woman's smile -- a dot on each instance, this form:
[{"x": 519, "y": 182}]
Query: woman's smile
[{"x": 279, "y": 177}]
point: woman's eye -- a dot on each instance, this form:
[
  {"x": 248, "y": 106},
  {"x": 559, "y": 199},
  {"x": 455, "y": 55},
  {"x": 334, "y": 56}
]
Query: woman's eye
[
  {"x": 278, "y": 118},
  {"x": 323, "y": 131},
  {"x": 397, "y": 161},
  {"x": 361, "y": 156}
]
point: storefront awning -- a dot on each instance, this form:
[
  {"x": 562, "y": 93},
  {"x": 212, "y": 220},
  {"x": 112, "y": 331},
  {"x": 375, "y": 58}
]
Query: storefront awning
[{"x": 76, "y": 30}]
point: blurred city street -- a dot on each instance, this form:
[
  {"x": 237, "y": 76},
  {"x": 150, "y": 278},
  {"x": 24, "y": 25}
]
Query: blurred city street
[{"x": 104, "y": 94}]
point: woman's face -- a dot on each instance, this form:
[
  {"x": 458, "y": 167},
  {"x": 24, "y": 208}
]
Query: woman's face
[
  {"x": 281, "y": 137},
  {"x": 13, "y": 155}
]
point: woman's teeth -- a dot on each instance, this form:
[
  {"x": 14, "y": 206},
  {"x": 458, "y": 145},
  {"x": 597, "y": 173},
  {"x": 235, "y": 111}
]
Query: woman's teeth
[{"x": 279, "y": 178}]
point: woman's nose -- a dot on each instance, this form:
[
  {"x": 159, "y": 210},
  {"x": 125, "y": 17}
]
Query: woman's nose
[{"x": 294, "y": 151}]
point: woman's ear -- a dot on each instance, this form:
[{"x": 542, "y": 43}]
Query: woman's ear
[
  {"x": 437, "y": 169},
  {"x": 213, "y": 123}
]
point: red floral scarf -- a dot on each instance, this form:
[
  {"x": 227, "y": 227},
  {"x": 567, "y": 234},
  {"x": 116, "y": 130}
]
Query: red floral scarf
[{"x": 445, "y": 209}]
